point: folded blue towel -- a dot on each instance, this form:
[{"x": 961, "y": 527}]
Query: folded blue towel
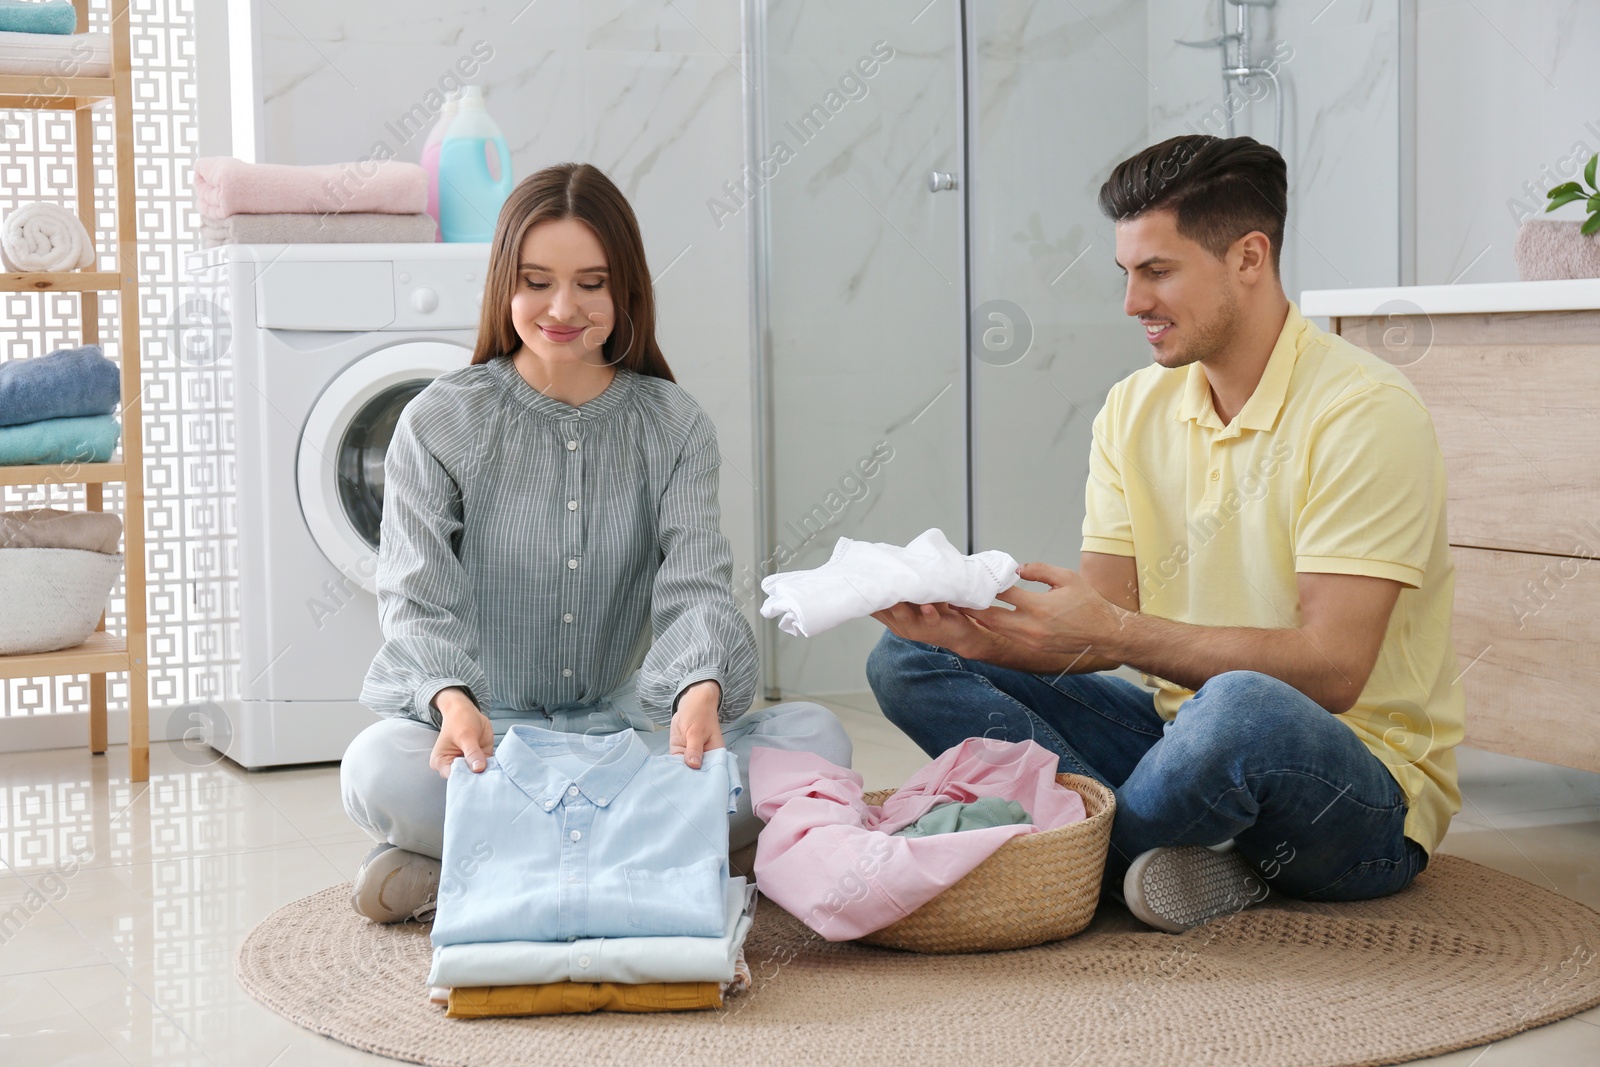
[
  {"x": 26, "y": 16},
  {"x": 89, "y": 440},
  {"x": 66, "y": 384}
]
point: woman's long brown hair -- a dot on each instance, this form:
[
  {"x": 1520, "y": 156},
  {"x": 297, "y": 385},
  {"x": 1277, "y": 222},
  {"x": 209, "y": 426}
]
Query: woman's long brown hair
[{"x": 574, "y": 191}]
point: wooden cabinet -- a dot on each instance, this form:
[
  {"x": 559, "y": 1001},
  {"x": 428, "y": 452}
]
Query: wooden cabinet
[
  {"x": 1515, "y": 399},
  {"x": 102, "y": 653}
]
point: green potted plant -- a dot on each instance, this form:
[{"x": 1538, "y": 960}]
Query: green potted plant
[{"x": 1548, "y": 249}]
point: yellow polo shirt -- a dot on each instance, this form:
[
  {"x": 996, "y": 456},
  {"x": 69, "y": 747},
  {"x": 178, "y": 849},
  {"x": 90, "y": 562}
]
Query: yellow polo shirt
[{"x": 1331, "y": 467}]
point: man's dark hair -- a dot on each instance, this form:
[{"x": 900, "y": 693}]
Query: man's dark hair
[{"x": 1220, "y": 189}]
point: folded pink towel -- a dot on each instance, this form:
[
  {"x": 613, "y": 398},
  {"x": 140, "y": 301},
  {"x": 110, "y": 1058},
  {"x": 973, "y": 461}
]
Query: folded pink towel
[{"x": 226, "y": 186}]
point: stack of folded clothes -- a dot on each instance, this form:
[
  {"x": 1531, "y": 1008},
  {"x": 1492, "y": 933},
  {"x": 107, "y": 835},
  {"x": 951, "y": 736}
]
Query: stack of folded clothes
[
  {"x": 581, "y": 873},
  {"x": 57, "y": 408},
  {"x": 37, "y": 38},
  {"x": 89, "y": 531},
  {"x": 371, "y": 201}
]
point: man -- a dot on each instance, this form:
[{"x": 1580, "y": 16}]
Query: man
[{"x": 1265, "y": 541}]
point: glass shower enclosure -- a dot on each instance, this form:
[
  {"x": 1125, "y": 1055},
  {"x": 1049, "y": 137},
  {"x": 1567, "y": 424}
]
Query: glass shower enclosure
[{"x": 936, "y": 311}]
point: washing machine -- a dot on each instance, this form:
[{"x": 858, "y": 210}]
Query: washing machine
[{"x": 317, "y": 348}]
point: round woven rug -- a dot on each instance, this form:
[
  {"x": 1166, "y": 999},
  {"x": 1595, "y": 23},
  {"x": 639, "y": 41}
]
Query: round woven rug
[{"x": 1464, "y": 956}]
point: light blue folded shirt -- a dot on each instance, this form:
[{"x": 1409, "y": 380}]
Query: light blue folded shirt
[
  {"x": 634, "y": 960},
  {"x": 565, "y": 836}
]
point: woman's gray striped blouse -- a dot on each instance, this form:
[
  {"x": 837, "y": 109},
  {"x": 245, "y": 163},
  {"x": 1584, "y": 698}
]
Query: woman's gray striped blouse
[{"x": 530, "y": 551}]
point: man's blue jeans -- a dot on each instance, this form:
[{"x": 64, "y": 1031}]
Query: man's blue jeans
[{"x": 1249, "y": 758}]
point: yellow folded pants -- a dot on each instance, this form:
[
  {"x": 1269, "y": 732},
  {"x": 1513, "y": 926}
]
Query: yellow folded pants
[{"x": 576, "y": 998}]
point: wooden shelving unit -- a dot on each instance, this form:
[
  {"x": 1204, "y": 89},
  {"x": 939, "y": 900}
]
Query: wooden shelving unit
[{"x": 102, "y": 653}]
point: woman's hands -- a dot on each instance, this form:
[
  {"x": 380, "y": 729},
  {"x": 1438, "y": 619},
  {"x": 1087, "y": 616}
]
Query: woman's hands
[
  {"x": 695, "y": 729},
  {"x": 464, "y": 731}
]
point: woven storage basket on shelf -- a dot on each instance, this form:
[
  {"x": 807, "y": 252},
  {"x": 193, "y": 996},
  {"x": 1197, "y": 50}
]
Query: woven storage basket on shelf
[
  {"x": 1035, "y": 888},
  {"x": 53, "y": 597}
]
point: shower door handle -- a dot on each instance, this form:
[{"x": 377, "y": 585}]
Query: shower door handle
[{"x": 940, "y": 180}]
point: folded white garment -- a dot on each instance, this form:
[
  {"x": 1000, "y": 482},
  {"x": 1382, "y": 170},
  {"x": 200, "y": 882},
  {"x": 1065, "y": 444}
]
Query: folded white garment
[
  {"x": 863, "y": 577},
  {"x": 39, "y": 236},
  {"x": 63, "y": 55},
  {"x": 635, "y": 960}
]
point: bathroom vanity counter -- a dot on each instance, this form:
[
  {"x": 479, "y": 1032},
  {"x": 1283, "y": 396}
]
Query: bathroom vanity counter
[
  {"x": 1582, "y": 294},
  {"x": 1511, "y": 375}
]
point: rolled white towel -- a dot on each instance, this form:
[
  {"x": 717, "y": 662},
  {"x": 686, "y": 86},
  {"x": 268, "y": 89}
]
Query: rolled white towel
[{"x": 39, "y": 237}]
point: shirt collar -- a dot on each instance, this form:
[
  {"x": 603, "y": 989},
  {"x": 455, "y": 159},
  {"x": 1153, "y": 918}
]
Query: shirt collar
[
  {"x": 1261, "y": 411},
  {"x": 546, "y": 763},
  {"x": 517, "y": 388}
]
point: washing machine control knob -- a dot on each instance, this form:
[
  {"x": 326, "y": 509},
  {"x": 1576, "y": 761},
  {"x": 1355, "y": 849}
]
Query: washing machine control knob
[{"x": 425, "y": 300}]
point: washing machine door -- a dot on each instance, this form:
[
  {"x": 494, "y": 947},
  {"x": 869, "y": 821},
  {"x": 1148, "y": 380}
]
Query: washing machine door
[{"x": 340, "y": 465}]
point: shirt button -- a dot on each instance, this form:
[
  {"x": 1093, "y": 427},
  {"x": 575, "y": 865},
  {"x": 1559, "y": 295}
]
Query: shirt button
[
  {"x": 572, "y": 790},
  {"x": 567, "y": 617},
  {"x": 572, "y": 564},
  {"x": 600, "y": 801},
  {"x": 1215, "y": 475},
  {"x": 572, "y": 446},
  {"x": 549, "y": 804},
  {"x": 566, "y": 672},
  {"x": 583, "y": 961},
  {"x": 575, "y": 835},
  {"x": 572, "y": 505}
]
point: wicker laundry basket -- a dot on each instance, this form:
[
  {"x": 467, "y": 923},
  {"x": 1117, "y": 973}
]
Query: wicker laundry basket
[
  {"x": 53, "y": 597},
  {"x": 1035, "y": 888}
]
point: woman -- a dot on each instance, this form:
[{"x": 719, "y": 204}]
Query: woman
[{"x": 550, "y": 546}]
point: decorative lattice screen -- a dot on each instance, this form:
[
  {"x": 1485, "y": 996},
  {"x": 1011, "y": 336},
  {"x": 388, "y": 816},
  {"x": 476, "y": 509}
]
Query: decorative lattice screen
[{"x": 187, "y": 515}]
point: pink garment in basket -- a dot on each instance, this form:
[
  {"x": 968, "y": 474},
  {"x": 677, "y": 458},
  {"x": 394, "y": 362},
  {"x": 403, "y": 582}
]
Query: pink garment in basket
[
  {"x": 827, "y": 858},
  {"x": 225, "y": 186}
]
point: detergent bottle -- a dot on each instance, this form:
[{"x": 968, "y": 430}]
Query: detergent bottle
[
  {"x": 474, "y": 172},
  {"x": 430, "y": 158}
]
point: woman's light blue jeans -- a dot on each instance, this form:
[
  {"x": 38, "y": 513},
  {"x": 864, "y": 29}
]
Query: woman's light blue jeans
[
  {"x": 390, "y": 791},
  {"x": 1249, "y": 758}
]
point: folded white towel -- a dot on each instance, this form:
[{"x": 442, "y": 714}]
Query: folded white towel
[
  {"x": 863, "y": 577},
  {"x": 44, "y": 237},
  {"x": 55, "y": 55}
]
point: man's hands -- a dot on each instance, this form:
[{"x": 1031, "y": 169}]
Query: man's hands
[
  {"x": 695, "y": 729},
  {"x": 464, "y": 731},
  {"x": 1028, "y": 638},
  {"x": 1070, "y": 619},
  {"x": 941, "y": 625}
]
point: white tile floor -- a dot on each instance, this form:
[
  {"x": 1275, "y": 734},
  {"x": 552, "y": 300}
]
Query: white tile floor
[{"x": 126, "y": 956}]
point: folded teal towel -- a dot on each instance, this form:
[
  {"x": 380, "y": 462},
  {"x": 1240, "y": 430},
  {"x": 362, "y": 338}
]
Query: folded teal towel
[
  {"x": 66, "y": 384},
  {"x": 86, "y": 440},
  {"x": 26, "y": 16}
]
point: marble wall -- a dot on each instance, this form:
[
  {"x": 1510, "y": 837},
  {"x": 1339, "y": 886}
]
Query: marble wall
[{"x": 1508, "y": 105}]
